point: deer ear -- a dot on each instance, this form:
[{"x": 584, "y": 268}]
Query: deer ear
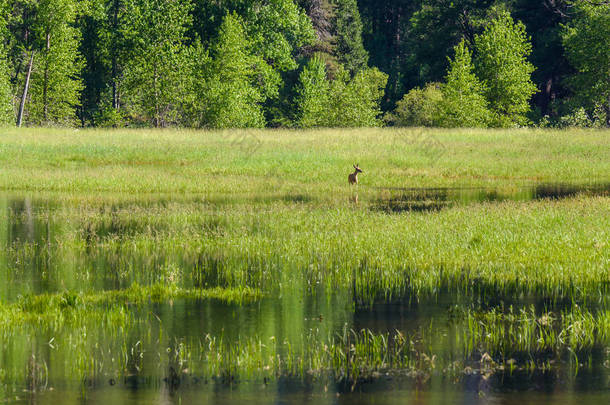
[{"x": 355, "y": 166}]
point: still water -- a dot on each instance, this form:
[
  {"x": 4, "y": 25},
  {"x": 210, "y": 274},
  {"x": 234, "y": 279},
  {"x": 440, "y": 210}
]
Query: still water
[{"x": 153, "y": 353}]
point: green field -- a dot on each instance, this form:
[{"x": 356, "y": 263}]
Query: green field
[
  {"x": 252, "y": 163},
  {"x": 109, "y": 230},
  {"x": 254, "y": 202}
]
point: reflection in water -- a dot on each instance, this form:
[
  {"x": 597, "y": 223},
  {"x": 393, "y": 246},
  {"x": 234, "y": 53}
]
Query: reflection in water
[
  {"x": 151, "y": 345},
  {"x": 435, "y": 199}
]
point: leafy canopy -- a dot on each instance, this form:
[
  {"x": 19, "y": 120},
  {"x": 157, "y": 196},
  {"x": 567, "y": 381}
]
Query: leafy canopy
[
  {"x": 587, "y": 43},
  {"x": 463, "y": 103},
  {"x": 501, "y": 64}
]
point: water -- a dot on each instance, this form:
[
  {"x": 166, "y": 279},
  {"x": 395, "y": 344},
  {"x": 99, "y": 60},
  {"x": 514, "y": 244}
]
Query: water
[
  {"x": 434, "y": 199},
  {"x": 155, "y": 353}
]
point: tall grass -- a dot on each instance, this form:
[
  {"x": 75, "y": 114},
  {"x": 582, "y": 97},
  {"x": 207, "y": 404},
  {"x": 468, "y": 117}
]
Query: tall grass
[
  {"x": 555, "y": 249},
  {"x": 118, "y": 343},
  {"x": 278, "y": 163}
]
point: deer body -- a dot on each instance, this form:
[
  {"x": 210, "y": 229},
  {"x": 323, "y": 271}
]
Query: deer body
[{"x": 353, "y": 177}]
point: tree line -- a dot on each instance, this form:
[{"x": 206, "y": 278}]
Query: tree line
[{"x": 305, "y": 63}]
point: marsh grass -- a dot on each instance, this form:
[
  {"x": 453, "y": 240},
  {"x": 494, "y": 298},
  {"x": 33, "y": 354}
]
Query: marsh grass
[
  {"x": 484, "y": 343},
  {"x": 67, "y": 307},
  {"x": 556, "y": 249},
  {"x": 101, "y": 229}
]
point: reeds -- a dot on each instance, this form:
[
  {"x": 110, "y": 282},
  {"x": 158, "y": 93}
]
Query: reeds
[
  {"x": 121, "y": 343},
  {"x": 552, "y": 249}
]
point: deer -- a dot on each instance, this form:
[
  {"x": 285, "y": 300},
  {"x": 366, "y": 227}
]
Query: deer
[{"x": 353, "y": 177}]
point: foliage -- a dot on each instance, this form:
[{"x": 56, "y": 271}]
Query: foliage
[
  {"x": 419, "y": 107},
  {"x": 343, "y": 102},
  {"x": 156, "y": 69},
  {"x": 355, "y": 102},
  {"x": 151, "y": 62},
  {"x": 385, "y": 36},
  {"x": 55, "y": 84},
  {"x": 501, "y": 64},
  {"x": 7, "y": 112},
  {"x": 586, "y": 40},
  {"x": 231, "y": 94},
  {"x": 350, "y": 49},
  {"x": 312, "y": 95},
  {"x": 436, "y": 28},
  {"x": 463, "y": 103},
  {"x": 580, "y": 119},
  {"x": 278, "y": 29}
]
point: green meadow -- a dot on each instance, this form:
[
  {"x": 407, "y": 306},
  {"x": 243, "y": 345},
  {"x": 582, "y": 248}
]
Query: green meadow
[
  {"x": 258, "y": 163},
  {"x": 499, "y": 241}
]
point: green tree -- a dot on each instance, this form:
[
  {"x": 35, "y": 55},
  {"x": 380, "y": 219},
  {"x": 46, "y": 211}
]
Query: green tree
[
  {"x": 55, "y": 85},
  {"x": 501, "y": 63},
  {"x": 277, "y": 30},
  {"x": 587, "y": 43},
  {"x": 419, "y": 107},
  {"x": 233, "y": 89},
  {"x": 385, "y": 36},
  {"x": 350, "y": 49},
  {"x": 7, "y": 112},
  {"x": 355, "y": 102},
  {"x": 108, "y": 43},
  {"x": 312, "y": 95},
  {"x": 463, "y": 103},
  {"x": 154, "y": 75},
  {"x": 342, "y": 102},
  {"x": 436, "y": 28}
]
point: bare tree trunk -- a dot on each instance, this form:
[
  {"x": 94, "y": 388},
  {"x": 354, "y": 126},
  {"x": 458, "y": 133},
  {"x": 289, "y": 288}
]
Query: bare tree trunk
[
  {"x": 25, "y": 90},
  {"x": 608, "y": 112}
]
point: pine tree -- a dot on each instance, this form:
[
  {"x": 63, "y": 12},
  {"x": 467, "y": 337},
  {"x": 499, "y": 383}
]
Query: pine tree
[
  {"x": 463, "y": 103},
  {"x": 350, "y": 49},
  {"x": 312, "y": 95},
  {"x": 230, "y": 95},
  {"x": 54, "y": 93},
  {"x": 155, "y": 72},
  {"x": 587, "y": 43}
]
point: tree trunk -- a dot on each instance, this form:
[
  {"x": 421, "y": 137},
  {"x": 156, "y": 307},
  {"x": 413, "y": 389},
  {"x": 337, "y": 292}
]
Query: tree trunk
[
  {"x": 25, "y": 90},
  {"x": 608, "y": 112}
]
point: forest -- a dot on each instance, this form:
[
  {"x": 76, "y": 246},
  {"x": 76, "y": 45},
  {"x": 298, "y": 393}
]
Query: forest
[{"x": 305, "y": 63}]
